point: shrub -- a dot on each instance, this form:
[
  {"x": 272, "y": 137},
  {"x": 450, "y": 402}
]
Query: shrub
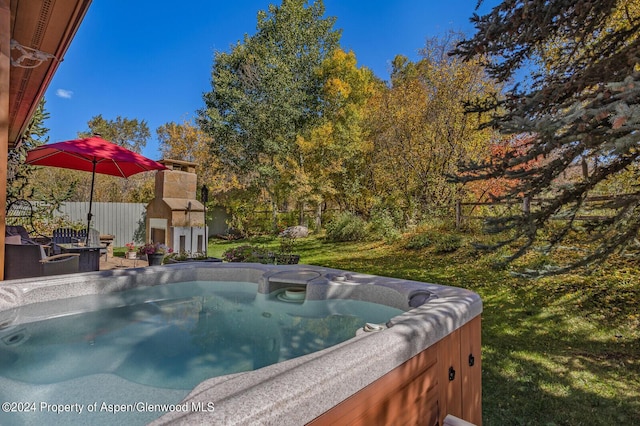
[
  {"x": 419, "y": 241},
  {"x": 447, "y": 243},
  {"x": 179, "y": 256},
  {"x": 347, "y": 227},
  {"x": 382, "y": 225},
  {"x": 287, "y": 244},
  {"x": 245, "y": 253},
  {"x": 187, "y": 255}
]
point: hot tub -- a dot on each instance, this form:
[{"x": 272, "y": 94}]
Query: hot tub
[{"x": 415, "y": 368}]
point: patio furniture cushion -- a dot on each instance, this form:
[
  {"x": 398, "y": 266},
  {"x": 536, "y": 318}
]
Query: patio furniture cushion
[
  {"x": 16, "y": 234},
  {"x": 18, "y": 230},
  {"x": 13, "y": 239}
]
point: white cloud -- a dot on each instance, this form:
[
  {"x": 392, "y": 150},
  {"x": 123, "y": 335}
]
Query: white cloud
[{"x": 62, "y": 93}]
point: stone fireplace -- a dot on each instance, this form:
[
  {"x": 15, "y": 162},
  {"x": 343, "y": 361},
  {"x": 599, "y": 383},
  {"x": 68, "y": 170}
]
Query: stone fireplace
[{"x": 174, "y": 216}]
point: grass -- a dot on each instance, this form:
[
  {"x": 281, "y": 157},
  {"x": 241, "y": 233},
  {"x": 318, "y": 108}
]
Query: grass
[{"x": 559, "y": 350}]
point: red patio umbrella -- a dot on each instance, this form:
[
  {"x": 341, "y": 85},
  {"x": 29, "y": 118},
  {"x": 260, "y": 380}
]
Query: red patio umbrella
[{"x": 94, "y": 155}]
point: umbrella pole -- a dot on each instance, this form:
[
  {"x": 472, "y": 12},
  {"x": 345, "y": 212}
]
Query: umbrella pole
[{"x": 89, "y": 215}]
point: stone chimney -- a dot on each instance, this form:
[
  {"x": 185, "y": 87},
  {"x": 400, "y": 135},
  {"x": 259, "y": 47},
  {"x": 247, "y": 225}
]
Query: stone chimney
[{"x": 174, "y": 216}]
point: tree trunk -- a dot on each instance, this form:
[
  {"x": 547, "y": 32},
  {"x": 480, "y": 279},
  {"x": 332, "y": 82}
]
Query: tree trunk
[
  {"x": 274, "y": 215},
  {"x": 301, "y": 214},
  {"x": 319, "y": 216}
]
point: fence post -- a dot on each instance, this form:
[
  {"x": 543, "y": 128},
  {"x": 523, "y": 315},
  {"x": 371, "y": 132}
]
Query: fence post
[
  {"x": 458, "y": 214},
  {"x": 526, "y": 205}
]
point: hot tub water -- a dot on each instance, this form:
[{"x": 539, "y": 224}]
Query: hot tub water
[{"x": 169, "y": 338}]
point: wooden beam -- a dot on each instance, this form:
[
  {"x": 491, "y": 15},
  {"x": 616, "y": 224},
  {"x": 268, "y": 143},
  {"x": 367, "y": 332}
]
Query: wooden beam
[{"x": 5, "y": 69}]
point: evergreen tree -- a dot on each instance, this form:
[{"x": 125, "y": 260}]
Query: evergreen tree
[
  {"x": 18, "y": 173},
  {"x": 23, "y": 182},
  {"x": 580, "y": 106}
]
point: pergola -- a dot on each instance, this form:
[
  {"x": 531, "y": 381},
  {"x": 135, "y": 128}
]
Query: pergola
[{"x": 34, "y": 37}]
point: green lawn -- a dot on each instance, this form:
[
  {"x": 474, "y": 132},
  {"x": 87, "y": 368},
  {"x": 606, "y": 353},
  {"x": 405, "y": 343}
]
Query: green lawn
[{"x": 556, "y": 351}]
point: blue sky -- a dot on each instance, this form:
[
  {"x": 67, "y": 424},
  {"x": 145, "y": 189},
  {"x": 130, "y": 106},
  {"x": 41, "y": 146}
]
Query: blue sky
[{"x": 152, "y": 60}]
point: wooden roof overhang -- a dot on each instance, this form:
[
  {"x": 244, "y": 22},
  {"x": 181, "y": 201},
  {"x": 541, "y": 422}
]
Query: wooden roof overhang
[
  {"x": 34, "y": 37},
  {"x": 45, "y": 26}
]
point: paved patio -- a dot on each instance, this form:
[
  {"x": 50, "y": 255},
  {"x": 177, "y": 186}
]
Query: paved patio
[{"x": 120, "y": 263}]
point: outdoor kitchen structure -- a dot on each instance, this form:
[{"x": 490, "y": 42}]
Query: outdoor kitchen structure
[{"x": 174, "y": 216}]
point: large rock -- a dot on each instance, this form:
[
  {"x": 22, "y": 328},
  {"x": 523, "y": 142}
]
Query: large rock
[{"x": 295, "y": 232}]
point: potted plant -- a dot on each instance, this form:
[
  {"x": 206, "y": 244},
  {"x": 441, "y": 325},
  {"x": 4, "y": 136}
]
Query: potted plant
[
  {"x": 155, "y": 252},
  {"x": 131, "y": 250}
]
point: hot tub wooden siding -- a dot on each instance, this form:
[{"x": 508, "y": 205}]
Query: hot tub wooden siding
[{"x": 420, "y": 392}]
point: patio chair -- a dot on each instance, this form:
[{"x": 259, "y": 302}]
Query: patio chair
[
  {"x": 63, "y": 236},
  {"x": 25, "y": 258},
  {"x": 21, "y": 213}
]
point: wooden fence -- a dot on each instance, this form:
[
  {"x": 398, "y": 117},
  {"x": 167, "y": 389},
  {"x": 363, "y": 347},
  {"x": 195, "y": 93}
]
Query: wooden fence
[
  {"x": 125, "y": 221},
  {"x": 526, "y": 205}
]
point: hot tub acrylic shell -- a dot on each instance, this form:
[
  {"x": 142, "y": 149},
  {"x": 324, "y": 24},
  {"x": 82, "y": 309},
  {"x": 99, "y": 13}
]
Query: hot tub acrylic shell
[{"x": 423, "y": 365}]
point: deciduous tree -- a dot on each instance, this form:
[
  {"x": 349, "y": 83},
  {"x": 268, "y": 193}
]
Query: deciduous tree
[
  {"x": 335, "y": 154},
  {"x": 420, "y": 131},
  {"x": 266, "y": 92},
  {"x": 188, "y": 142},
  {"x": 127, "y": 132}
]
